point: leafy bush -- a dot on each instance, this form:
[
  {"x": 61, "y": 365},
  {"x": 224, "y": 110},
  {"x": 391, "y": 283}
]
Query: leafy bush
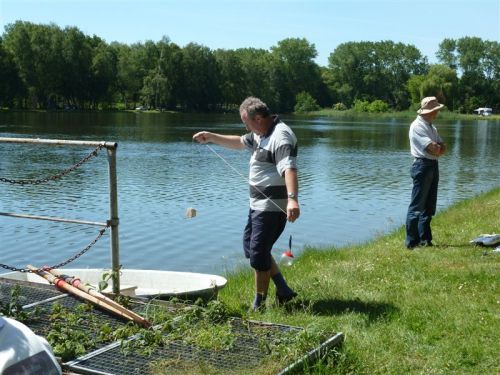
[
  {"x": 339, "y": 107},
  {"x": 305, "y": 103},
  {"x": 378, "y": 106},
  {"x": 360, "y": 105}
]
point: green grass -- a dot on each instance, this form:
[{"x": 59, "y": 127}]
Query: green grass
[
  {"x": 444, "y": 115},
  {"x": 427, "y": 311}
]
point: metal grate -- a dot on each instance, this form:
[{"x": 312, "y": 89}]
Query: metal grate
[
  {"x": 247, "y": 352},
  {"x": 29, "y": 292}
]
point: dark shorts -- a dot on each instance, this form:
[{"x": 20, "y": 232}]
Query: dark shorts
[{"x": 261, "y": 232}]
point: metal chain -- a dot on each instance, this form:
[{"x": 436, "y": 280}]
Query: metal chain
[
  {"x": 57, "y": 176},
  {"x": 66, "y": 262}
]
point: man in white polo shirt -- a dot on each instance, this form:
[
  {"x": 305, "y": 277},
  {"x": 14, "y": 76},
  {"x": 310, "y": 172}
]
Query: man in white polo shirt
[
  {"x": 24, "y": 353},
  {"x": 274, "y": 191},
  {"x": 426, "y": 147}
]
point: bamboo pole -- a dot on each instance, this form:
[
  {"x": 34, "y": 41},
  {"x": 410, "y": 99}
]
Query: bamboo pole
[
  {"x": 80, "y": 293},
  {"x": 78, "y": 283}
]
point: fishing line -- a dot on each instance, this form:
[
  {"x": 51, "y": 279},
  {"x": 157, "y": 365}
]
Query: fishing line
[
  {"x": 287, "y": 256},
  {"x": 190, "y": 211},
  {"x": 244, "y": 178}
]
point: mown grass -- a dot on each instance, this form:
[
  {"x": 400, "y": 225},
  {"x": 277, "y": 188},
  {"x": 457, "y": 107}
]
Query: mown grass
[{"x": 427, "y": 311}]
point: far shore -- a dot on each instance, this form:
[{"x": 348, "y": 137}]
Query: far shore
[{"x": 328, "y": 112}]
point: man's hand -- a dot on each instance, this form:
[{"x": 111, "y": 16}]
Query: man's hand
[
  {"x": 435, "y": 149},
  {"x": 203, "y": 137},
  {"x": 442, "y": 149},
  {"x": 292, "y": 187},
  {"x": 292, "y": 210}
]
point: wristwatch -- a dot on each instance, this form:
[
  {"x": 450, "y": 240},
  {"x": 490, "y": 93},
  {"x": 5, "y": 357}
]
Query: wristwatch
[{"x": 292, "y": 196}]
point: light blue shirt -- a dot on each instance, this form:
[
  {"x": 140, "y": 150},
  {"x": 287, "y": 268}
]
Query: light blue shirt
[{"x": 422, "y": 134}]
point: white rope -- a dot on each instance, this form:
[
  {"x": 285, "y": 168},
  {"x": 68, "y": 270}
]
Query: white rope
[{"x": 244, "y": 178}]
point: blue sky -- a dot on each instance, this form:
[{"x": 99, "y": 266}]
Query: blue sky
[{"x": 232, "y": 24}]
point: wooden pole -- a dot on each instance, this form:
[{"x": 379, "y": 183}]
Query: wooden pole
[
  {"x": 79, "y": 293},
  {"x": 76, "y": 282}
]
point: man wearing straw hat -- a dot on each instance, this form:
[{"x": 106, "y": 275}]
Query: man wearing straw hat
[
  {"x": 273, "y": 190},
  {"x": 426, "y": 147}
]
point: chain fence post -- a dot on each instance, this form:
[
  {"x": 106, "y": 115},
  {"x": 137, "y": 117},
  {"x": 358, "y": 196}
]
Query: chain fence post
[{"x": 114, "y": 221}]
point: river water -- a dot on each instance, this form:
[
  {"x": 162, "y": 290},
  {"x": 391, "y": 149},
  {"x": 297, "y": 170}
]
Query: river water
[{"x": 354, "y": 185}]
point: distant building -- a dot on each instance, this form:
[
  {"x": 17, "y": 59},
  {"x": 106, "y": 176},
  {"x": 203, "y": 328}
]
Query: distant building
[{"x": 484, "y": 111}]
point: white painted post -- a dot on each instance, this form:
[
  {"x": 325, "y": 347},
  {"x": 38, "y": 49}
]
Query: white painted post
[{"x": 114, "y": 221}]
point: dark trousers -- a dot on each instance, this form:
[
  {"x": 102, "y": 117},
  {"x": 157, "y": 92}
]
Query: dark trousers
[
  {"x": 425, "y": 175},
  {"x": 261, "y": 232}
]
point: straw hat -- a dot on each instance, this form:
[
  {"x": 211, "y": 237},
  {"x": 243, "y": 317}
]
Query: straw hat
[{"x": 428, "y": 105}]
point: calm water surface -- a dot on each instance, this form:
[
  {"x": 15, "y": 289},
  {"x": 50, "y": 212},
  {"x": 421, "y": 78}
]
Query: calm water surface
[{"x": 354, "y": 179}]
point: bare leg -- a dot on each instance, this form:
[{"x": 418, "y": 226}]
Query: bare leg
[
  {"x": 274, "y": 267},
  {"x": 262, "y": 279}
]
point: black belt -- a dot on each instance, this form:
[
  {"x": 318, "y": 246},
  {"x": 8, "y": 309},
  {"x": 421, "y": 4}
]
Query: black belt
[{"x": 427, "y": 160}]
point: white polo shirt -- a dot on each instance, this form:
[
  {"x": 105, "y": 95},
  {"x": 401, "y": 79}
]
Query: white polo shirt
[
  {"x": 422, "y": 134},
  {"x": 22, "y": 352},
  {"x": 272, "y": 154}
]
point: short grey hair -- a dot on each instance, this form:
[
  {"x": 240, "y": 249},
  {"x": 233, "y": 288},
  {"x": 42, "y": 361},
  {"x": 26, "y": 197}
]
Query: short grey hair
[{"x": 254, "y": 106}]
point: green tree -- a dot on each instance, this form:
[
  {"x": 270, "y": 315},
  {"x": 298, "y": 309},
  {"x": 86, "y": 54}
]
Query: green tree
[
  {"x": 36, "y": 51},
  {"x": 257, "y": 67},
  {"x": 170, "y": 63},
  {"x": 129, "y": 76},
  {"x": 414, "y": 85},
  {"x": 201, "y": 78},
  {"x": 441, "y": 82},
  {"x": 295, "y": 70},
  {"x": 374, "y": 70},
  {"x": 446, "y": 53},
  {"x": 77, "y": 53},
  {"x": 232, "y": 77},
  {"x": 12, "y": 87},
  {"x": 17, "y": 42},
  {"x": 305, "y": 103},
  {"x": 103, "y": 73},
  {"x": 134, "y": 64},
  {"x": 478, "y": 65}
]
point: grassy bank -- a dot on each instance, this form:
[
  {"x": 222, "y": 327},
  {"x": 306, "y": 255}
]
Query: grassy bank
[
  {"x": 431, "y": 310},
  {"x": 406, "y": 115},
  {"x": 409, "y": 115}
]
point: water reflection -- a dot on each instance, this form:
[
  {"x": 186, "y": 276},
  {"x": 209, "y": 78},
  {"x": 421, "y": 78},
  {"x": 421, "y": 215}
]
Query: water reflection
[{"x": 354, "y": 178}]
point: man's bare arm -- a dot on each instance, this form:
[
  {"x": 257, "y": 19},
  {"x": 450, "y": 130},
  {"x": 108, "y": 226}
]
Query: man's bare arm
[{"x": 229, "y": 141}]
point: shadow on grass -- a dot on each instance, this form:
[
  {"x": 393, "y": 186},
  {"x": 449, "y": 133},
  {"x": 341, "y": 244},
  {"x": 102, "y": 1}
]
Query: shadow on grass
[{"x": 374, "y": 311}]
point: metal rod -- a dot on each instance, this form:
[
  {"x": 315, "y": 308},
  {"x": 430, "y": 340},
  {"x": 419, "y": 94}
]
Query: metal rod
[
  {"x": 313, "y": 354},
  {"x": 25, "y": 307},
  {"x": 60, "y": 142},
  {"x": 113, "y": 194},
  {"x": 113, "y": 214},
  {"x": 50, "y": 218}
]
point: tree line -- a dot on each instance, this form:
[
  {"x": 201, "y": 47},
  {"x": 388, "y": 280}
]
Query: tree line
[{"x": 47, "y": 67}]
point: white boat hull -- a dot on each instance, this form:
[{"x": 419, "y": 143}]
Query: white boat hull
[{"x": 143, "y": 283}]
